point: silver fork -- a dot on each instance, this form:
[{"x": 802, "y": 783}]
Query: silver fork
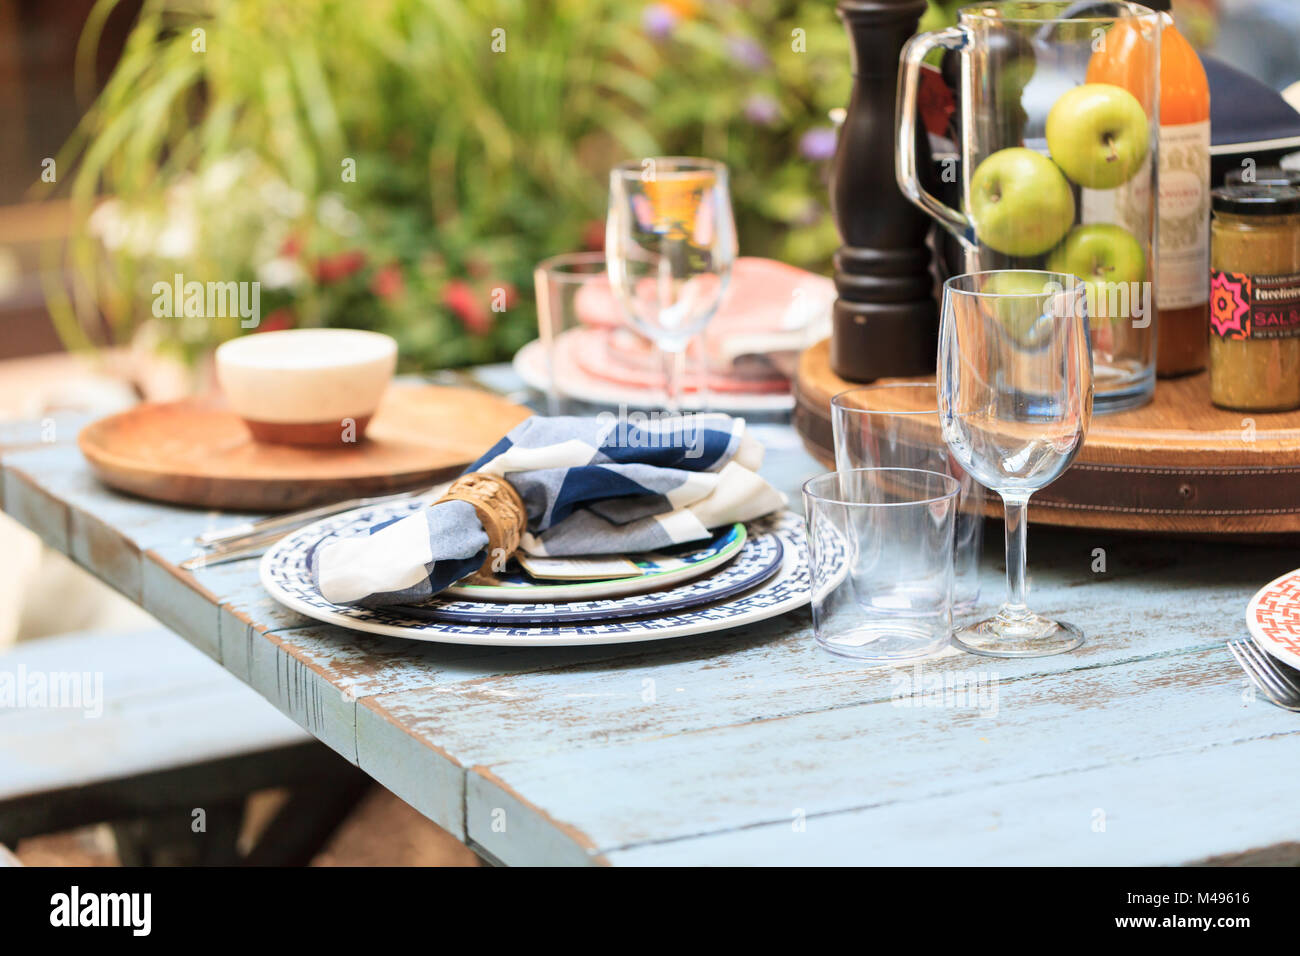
[{"x": 1271, "y": 678}]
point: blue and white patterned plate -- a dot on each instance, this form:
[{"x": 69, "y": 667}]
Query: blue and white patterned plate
[
  {"x": 658, "y": 571},
  {"x": 286, "y": 574},
  {"x": 758, "y": 560}
]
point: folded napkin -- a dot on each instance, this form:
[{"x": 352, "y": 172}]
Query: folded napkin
[{"x": 600, "y": 485}]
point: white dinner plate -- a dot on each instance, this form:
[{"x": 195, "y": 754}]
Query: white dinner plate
[{"x": 286, "y": 575}]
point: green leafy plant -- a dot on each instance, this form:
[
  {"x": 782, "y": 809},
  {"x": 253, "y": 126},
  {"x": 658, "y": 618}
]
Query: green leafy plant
[{"x": 401, "y": 165}]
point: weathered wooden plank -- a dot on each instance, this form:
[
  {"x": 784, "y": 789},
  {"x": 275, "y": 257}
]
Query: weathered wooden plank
[
  {"x": 416, "y": 769},
  {"x": 118, "y": 704},
  {"x": 1173, "y": 809},
  {"x": 33, "y": 507},
  {"x": 302, "y": 693},
  {"x": 317, "y": 674},
  {"x": 246, "y": 614},
  {"x": 26, "y": 434},
  {"x": 61, "y": 471},
  {"x": 54, "y": 429},
  {"x": 775, "y": 670},
  {"x": 105, "y": 552},
  {"x": 416, "y": 766},
  {"x": 333, "y": 669},
  {"x": 755, "y": 676},
  {"x": 729, "y": 778},
  {"x": 531, "y": 836},
  {"x": 105, "y": 532},
  {"x": 204, "y": 605},
  {"x": 176, "y": 599}
]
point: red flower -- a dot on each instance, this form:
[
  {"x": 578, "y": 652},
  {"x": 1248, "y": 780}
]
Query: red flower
[
  {"x": 387, "y": 283},
  {"x": 458, "y": 296},
  {"x": 291, "y": 246},
  {"x": 340, "y": 266},
  {"x": 279, "y": 320},
  {"x": 593, "y": 235}
]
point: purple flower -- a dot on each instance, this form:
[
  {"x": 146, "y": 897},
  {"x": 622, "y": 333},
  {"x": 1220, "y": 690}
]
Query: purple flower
[
  {"x": 762, "y": 110},
  {"x": 658, "y": 20},
  {"x": 747, "y": 52},
  {"x": 818, "y": 143}
]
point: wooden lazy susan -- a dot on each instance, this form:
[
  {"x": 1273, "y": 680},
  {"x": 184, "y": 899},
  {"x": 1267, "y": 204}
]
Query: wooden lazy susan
[
  {"x": 198, "y": 453},
  {"x": 1177, "y": 465}
]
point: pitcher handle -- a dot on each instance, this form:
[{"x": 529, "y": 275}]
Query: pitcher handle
[{"x": 909, "y": 81}]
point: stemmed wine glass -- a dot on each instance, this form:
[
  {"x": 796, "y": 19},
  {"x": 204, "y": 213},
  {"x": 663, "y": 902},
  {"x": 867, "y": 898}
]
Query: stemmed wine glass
[
  {"x": 670, "y": 243},
  {"x": 1015, "y": 400}
]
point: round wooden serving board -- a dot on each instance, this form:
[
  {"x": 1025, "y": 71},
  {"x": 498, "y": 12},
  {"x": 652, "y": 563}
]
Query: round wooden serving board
[
  {"x": 198, "y": 453},
  {"x": 1177, "y": 465}
]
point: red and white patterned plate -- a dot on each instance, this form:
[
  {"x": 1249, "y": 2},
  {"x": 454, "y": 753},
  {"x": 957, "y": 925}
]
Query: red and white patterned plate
[{"x": 1273, "y": 616}]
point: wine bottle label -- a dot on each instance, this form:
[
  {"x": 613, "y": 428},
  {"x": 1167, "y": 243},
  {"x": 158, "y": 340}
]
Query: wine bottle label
[
  {"x": 1254, "y": 307},
  {"x": 1128, "y": 206},
  {"x": 1184, "y": 210}
]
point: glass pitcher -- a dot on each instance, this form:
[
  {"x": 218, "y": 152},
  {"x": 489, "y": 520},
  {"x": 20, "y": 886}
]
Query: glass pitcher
[{"x": 1057, "y": 126}]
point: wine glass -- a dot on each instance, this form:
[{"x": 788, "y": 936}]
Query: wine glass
[
  {"x": 1015, "y": 399},
  {"x": 670, "y": 243}
]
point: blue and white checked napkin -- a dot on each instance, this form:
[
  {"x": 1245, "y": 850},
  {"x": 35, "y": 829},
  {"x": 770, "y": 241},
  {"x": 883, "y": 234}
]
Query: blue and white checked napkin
[{"x": 603, "y": 485}]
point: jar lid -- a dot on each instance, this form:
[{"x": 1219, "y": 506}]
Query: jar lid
[
  {"x": 1264, "y": 176},
  {"x": 1256, "y": 199}
]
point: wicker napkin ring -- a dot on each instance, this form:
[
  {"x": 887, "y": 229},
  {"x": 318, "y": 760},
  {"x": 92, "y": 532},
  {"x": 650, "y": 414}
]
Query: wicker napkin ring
[{"x": 501, "y": 511}]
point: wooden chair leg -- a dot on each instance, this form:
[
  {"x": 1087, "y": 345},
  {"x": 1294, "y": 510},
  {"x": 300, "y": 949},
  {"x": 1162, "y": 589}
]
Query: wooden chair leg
[
  {"x": 302, "y": 826},
  {"x": 170, "y": 839}
]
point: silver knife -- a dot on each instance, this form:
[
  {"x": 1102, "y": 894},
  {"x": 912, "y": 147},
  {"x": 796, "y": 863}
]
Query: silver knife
[{"x": 289, "y": 521}]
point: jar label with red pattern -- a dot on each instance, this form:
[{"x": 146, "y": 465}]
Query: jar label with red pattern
[{"x": 1244, "y": 306}]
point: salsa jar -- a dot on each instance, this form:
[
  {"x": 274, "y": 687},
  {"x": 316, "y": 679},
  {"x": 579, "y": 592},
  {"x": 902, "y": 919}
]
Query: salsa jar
[{"x": 1255, "y": 298}]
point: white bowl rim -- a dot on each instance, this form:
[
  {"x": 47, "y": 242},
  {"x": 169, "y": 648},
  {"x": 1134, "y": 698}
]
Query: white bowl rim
[{"x": 267, "y": 349}]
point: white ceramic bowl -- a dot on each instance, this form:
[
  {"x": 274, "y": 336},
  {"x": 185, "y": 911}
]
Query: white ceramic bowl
[{"x": 306, "y": 386}]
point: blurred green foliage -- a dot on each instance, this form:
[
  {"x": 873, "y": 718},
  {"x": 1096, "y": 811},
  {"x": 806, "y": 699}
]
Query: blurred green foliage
[{"x": 480, "y": 135}]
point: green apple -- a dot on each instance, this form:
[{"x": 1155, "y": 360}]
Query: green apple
[
  {"x": 1020, "y": 202},
  {"x": 1113, "y": 267},
  {"x": 1098, "y": 133},
  {"x": 1021, "y": 303}
]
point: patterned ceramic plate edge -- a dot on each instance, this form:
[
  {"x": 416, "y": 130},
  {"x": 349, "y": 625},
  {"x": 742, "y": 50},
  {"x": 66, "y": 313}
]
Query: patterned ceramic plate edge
[
  {"x": 286, "y": 579},
  {"x": 1273, "y": 617},
  {"x": 758, "y": 561},
  {"x": 616, "y": 587}
]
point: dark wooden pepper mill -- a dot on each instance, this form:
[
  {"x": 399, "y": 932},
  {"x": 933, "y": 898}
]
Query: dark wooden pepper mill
[{"x": 885, "y": 321}]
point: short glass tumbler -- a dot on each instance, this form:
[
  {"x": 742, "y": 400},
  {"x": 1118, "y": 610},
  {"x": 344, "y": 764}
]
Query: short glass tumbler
[
  {"x": 897, "y": 426},
  {"x": 559, "y": 283},
  {"x": 880, "y": 543}
]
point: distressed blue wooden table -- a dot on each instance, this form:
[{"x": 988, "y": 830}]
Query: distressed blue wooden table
[{"x": 1146, "y": 746}]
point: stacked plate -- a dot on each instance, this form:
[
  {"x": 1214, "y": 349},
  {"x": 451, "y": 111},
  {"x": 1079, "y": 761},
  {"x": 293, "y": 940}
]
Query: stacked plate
[
  {"x": 745, "y": 573},
  {"x": 1273, "y": 618},
  {"x": 575, "y": 351}
]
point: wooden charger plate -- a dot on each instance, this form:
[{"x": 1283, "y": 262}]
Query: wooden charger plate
[
  {"x": 1176, "y": 465},
  {"x": 197, "y": 452}
]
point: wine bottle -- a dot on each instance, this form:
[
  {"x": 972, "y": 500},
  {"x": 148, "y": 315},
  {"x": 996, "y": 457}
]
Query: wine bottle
[{"x": 1183, "y": 206}]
